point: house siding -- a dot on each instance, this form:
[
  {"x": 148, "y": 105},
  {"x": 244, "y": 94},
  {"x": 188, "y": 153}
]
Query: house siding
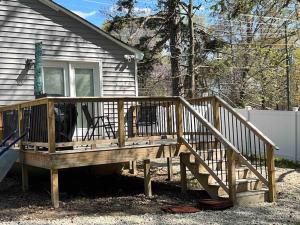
[{"x": 25, "y": 22}]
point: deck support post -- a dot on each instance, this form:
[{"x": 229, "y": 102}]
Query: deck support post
[
  {"x": 147, "y": 178},
  {"x": 132, "y": 167},
  {"x": 25, "y": 183},
  {"x": 271, "y": 173},
  {"x": 54, "y": 188},
  {"x": 170, "y": 168},
  {"x": 232, "y": 174},
  {"x": 183, "y": 178}
]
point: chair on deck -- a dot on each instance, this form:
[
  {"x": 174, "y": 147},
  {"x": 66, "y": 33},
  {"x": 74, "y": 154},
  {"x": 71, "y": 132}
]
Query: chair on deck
[
  {"x": 147, "y": 117},
  {"x": 94, "y": 123}
]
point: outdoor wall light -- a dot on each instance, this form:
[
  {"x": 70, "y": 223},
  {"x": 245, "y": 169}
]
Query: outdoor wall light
[{"x": 29, "y": 63}]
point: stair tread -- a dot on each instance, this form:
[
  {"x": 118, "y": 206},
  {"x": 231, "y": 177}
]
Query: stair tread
[{"x": 250, "y": 192}]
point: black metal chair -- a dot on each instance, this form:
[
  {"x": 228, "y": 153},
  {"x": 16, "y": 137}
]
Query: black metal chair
[
  {"x": 147, "y": 117},
  {"x": 94, "y": 123}
]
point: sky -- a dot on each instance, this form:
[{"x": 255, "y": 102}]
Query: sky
[{"x": 96, "y": 11}]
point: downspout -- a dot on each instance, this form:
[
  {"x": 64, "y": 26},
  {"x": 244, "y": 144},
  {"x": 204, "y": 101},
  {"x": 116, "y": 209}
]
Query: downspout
[{"x": 38, "y": 80}]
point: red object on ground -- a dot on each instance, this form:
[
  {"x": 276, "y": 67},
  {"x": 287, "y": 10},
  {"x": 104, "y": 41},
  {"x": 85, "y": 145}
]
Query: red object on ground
[
  {"x": 212, "y": 204},
  {"x": 180, "y": 209}
]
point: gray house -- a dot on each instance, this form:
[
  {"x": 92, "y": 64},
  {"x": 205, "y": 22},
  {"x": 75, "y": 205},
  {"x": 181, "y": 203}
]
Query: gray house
[{"x": 79, "y": 59}]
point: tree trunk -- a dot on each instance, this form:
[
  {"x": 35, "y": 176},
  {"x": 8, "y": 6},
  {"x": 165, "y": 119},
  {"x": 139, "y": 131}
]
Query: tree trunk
[
  {"x": 175, "y": 33},
  {"x": 189, "y": 86}
]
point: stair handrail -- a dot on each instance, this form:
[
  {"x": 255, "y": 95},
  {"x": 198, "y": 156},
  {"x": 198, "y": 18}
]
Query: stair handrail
[
  {"x": 222, "y": 139},
  {"x": 248, "y": 124}
]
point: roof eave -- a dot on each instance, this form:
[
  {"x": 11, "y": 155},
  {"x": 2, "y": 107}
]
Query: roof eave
[{"x": 138, "y": 54}]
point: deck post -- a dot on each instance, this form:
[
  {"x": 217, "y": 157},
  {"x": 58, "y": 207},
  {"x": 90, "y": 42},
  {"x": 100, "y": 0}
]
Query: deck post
[
  {"x": 121, "y": 123},
  {"x": 232, "y": 174},
  {"x": 183, "y": 178},
  {"x": 147, "y": 178},
  {"x": 132, "y": 167},
  {"x": 54, "y": 188},
  {"x": 271, "y": 173},
  {"x": 170, "y": 168},
  {"x": 216, "y": 113},
  {"x": 51, "y": 127},
  {"x": 179, "y": 121},
  {"x": 24, "y": 168}
]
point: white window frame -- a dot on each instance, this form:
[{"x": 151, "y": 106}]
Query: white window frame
[{"x": 69, "y": 66}]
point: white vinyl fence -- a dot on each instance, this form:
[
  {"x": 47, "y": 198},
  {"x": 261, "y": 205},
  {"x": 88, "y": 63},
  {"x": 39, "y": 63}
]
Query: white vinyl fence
[{"x": 282, "y": 127}]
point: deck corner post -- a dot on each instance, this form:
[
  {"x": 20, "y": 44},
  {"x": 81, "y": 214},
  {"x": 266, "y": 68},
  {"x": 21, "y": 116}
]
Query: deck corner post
[
  {"x": 121, "y": 124},
  {"x": 232, "y": 174},
  {"x": 271, "y": 173},
  {"x": 147, "y": 178},
  {"x": 51, "y": 127},
  {"x": 183, "y": 178},
  {"x": 179, "y": 120},
  {"x": 54, "y": 188}
]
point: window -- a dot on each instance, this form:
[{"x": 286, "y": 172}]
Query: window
[
  {"x": 74, "y": 78},
  {"x": 54, "y": 81},
  {"x": 84, "y": 80}
]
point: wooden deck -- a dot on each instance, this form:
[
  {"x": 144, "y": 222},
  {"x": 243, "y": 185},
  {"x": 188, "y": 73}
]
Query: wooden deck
[
  {"x": 66, "y": 132},
  {"x": 101, "y": 155}
]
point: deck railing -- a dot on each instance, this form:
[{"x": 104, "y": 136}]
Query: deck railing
[{"x": 62, "y": 123}]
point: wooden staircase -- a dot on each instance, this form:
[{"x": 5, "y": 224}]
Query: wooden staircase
[
  {"x": 249, "y": 189},
  {"x": 228, "y": 156}
]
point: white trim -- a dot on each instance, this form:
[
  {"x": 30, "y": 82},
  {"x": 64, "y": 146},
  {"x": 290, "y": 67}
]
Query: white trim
[
  {"x": 69, "y": 59},
  {"x": 138, "y": 54},
  {"x": 100, "y": 64},
  {"x": 136, "y": 79}
]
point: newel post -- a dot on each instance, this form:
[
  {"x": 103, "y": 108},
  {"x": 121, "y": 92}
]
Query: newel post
[
  {"x": 232, "y": 174},
  {"x": 271, "y": 173},
  {"x": 179, "y": 120},
  {"x": 216, "y": 113},
  {"x": 121, "y": 124}
]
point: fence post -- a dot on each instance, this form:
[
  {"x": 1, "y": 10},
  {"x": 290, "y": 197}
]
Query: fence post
[
  {"x": 179, "y": 120},
  {"x": 121, "y": 124},
  {"x": 271, "y": 173},
  {"x": 51, "y": 127},
  {"x": 231, "y": 175}
]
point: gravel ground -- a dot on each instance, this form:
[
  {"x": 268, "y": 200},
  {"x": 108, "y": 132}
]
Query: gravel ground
[{"x": 120, "y": 200}]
